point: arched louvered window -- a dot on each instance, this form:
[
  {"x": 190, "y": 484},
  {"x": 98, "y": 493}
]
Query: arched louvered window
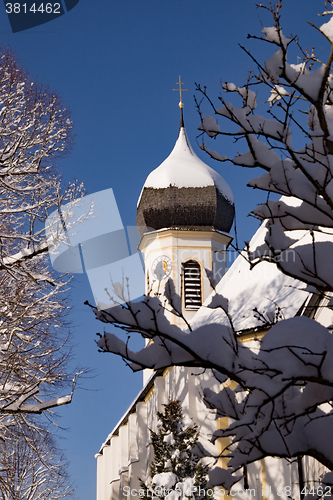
[{"x": 192, "y": 285}]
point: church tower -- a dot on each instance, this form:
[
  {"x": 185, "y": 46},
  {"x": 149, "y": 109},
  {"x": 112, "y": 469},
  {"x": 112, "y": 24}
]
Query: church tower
[{"x": 184, "y": 215}]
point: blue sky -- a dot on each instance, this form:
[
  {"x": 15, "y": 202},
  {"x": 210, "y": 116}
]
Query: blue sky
[{"x": 115, "y": 64}]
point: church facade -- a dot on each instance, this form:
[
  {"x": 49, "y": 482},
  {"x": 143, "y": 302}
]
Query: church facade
[{"x": 185, "y": 212}]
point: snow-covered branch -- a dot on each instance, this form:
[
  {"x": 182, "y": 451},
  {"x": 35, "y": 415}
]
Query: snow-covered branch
[
  {"x": 35, "y": 130},
  {"x": 31, "y": 466},
  {"x": 285, "y": 380},
  {"x": 277, "y": 392},
  {"x": 300, "y": 104}
]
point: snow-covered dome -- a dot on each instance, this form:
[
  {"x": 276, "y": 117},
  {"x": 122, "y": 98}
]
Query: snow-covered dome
[{"x": 186, "y": 193}]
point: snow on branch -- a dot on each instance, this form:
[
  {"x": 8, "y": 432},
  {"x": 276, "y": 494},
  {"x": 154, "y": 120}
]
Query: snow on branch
[
  {"x": 18, "y": 404},
  {"x": 286, "y": 381},
  {"x": 36, "y": 130},
  {"x": 299, "y": 103}
]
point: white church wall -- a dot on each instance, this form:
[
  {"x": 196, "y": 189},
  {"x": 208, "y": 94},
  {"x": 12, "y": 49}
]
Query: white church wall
[
  {"x": 115, "y": 489},
  {"x": 205, "y": 418},
  {"x": 280, "y": 478},
  {"x": 312, "y": 470},
  {"x": 134, "y": 441},
  {"x": 123, "y": 448},
  {"x": 254, "y": 479},
  {"x": 138, "y": 461},
  {"x": 106, "y": 472},
  {"x": 151, "y": 423},
  {"x": 146, "y": 374},
  {"x": 112, "y": 462},
  {"x": 124, "y": 483},
  {"x": 176, "y": 386},
  {"x": 133, "y": 449},
  {"x": 100, "y": 477},
  {"x": 192, "y": 390},
  {"x": 141, "y": 413},
  {"x": 128, "y": 454},
  {"x": 159, "y": 390}
]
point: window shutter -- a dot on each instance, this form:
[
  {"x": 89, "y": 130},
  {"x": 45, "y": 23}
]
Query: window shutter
[{"x": 192, "y": 285}]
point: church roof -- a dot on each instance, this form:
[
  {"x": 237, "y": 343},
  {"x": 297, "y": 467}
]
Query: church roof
[
  {"x": 257, "y": 297},
  {"x": 184, "y": 169},
  {"x": 184, "y": 192}
]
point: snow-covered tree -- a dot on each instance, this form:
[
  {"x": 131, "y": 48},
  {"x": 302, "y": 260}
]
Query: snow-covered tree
[
  {"x": 283, "y": 403},
  {"x": 176, "y": 470},
  {"x": 299, "y": 102},
  {"x": 35, "y": 130},
  {"x": 32, "y": 467}
]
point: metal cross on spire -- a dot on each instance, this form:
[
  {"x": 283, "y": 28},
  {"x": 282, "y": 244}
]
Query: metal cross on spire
[{"x": 180, "y": 83}]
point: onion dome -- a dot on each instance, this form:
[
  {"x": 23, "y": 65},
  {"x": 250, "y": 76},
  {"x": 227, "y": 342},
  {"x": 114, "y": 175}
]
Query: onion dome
[{"x": 185, "y": 193}]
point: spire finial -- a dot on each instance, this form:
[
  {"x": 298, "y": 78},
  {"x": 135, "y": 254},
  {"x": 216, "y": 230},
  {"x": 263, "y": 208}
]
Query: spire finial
[
  {"x": 180, "y": 83},
  {"x": 181, "y": 105}
]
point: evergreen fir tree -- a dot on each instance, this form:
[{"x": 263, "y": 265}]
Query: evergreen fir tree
[{"x": 176, "y": 471}]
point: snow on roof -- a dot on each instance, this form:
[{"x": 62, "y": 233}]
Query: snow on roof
[
  {"x": 264, "y": 287},
  {"x": 183, "y": 168}
]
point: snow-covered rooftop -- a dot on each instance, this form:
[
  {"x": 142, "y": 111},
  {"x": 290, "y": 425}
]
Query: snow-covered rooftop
[{"x": 184, "y": 169}]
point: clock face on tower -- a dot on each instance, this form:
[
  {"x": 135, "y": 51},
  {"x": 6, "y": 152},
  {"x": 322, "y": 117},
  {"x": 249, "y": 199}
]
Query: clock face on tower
[{"x": 161, "y": 267}]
